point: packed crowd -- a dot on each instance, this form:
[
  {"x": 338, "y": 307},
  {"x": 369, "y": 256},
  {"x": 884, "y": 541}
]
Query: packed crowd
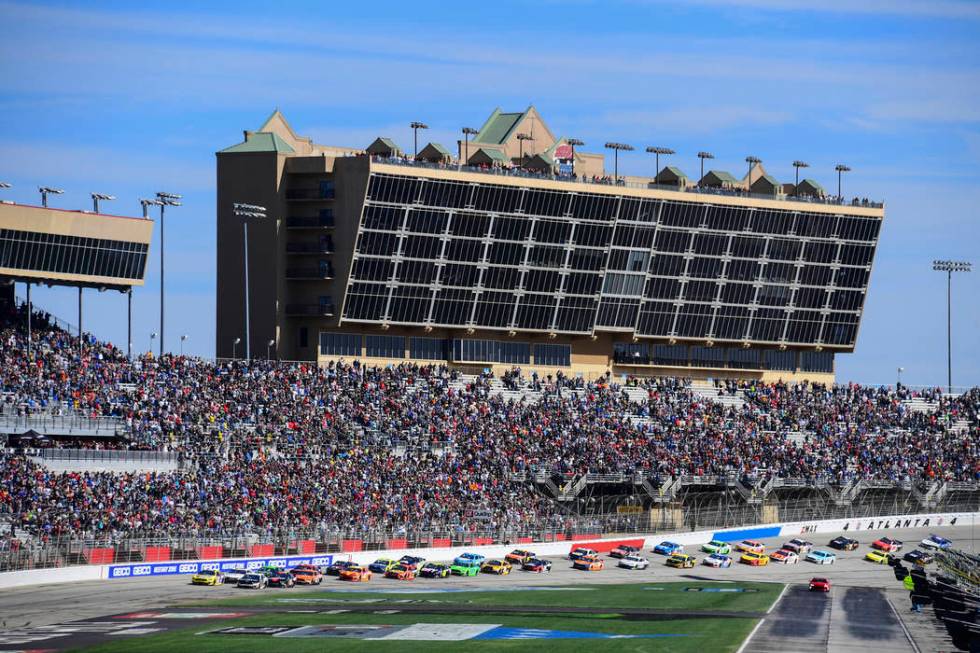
[{"x": 274, "y": 445}]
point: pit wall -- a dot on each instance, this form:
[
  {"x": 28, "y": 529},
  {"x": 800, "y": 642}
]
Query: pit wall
[{"x": 549, "y": 549}]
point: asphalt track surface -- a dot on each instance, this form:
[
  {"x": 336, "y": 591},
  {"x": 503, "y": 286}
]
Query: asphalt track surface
[{"x": 855, "y": 615}]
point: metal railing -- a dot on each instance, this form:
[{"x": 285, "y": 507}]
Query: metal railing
[
  {"x": 105, "y": 455},
  {"x": 608, "y": 181},
  {"x": 62, "y": 424}
]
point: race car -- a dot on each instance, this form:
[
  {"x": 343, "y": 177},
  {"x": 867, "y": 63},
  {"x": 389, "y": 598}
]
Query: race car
[
  {"x": 469, "y": 559},
  {"x": 878, "y": 557},
  {"x": 750, "y": 546},
  {"x": 785, "y": 556},
  {"x": 633, "y": 562},
  {"x": 434, "y": 570},
  {"x": 667, "y": 548},
  {"x": 464, "y": 570},
  {"x": 253, "y": 581},
  {"x": 719, "y": 560},
  {"x": 356, "y": 574},
  {"x": 819, "y": 557},
  {"x": 338, "y": 567},
  {"x": 887, "y": 544},
  {"x": 754, "y": 559},
  {"x": 589, "y": 563},
  {"x": 681, "y": 561},
  {"x": 307, "y": 575},
  {"x": 537, "y": 565},
  {"x": 400, "y": 572},
  {"x": 281, "y": 578},
  {"x": 935, "y": 542},
  {"x": 798, "y": 546},
  {"x": 717, "y": 546},
  {"x": 843, "y": 543},
  {"x": 819, "y": 585},
  {"x": 623, "y": 551},
  {"x": 411, "y": 561},
  {"x": 518, "y": 556},
  {"x": 208, "y": 577},
  {"x": 575, "y": 554},
  {"x": 920, "y": 558},
  {"x": 267, "y": 570},
  {"x": 381, "y": 565},
  {"x": 234, "y": 575},
  {"x": 499, "y": 567}
]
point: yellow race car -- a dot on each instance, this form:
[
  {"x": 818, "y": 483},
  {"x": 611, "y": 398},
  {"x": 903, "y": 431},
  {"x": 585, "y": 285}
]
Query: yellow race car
[
  {"x": 208, "y": 577},
  {"x": 877, "y": 557},
  {"x": 681, "y": 561},
  {"x": 755, "y": 559},
  {"x": 499, "y": 567}
]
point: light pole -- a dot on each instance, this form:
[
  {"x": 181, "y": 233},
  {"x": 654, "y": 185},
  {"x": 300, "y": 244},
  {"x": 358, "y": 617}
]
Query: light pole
[
  {"x": 752, "y": 161},
  {"x": 616, "y": 147},
  {"x": 657, "y": 151},
  {"x": 416, "y": 126},
  {"x": 268, "y": 349},
  {"x": 900, "y": 370},
  {"x": 840, "y": 168},
  {"x": 165, "y": 200},
  {"x": 100, "y": 196},
  {"x": 246, "y": 211},
  {"x": 798, "y": 165},
  {"x": 949, "y": 267},
  {"x": 182, "y": 339},
  {"x": 467, "y": 132},
  {"x": 703, "y": 156},
  {"x": 573, "y": 142},
  {"x": 521, "y": 138},
  {"x": 45, "y": 191},
  {"x": 129, "y": 323},
  {"x": 234, "y": 347}
]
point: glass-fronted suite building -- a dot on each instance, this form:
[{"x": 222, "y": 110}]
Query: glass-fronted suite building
[{"x": 386, "y": 259}]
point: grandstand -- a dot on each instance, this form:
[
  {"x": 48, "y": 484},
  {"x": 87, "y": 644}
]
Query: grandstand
[{"x": 287, "y": 456}]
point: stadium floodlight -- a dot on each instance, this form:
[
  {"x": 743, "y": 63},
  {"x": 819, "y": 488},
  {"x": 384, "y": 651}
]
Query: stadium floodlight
[
  {"x": 467, "y": 132},
  {"x": 900, "y": 370},
  {"x": 753, "y": 161},
  {"x": 949, "y": 267},
  {"x": 416, "y": 126},
  {"x": 840, "y": 168},
  {"x": 146, "y": 204},
  {"x": 657, "y": 151},
  {"x": 616, "y": 147},
  {"x": 45, "y": 191},
  {"x": 163, "y": 201},
  {"x": 574, "y": 142},
  {"x": 182, "y": 339},
  {"x": 96, "y": 197},
  {"x": 268, "y": 349},
  {"x": 153, "y": 336},
  {"x": 246, "y": 211},
  {"x": 4, "y": 184},
  {"x": 703, "y": 156},
  {"x": 520, "y": 139},
  {"x": 798, "y": 165}
]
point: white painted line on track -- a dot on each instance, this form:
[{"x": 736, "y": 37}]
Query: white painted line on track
[
  {"x": 751, "y": 635},
  {"x": 778, "y": 599},
  {"x": 901, "y": 622}
]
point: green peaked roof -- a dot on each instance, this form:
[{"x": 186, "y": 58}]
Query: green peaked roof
[
  {"x": 722, "y": 176},
  {"x": 498, "y": 127},
  {"x": 810, "y": 184},
  {"x": 677, "y": 172},
  {"x": 260, "y": 142}
]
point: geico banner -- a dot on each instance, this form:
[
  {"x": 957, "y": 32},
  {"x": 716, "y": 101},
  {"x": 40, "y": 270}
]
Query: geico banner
[{"x": 173, "y": 568}]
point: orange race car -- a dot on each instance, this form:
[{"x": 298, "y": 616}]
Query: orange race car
[
  {"x": 589, "y": 563},
  {"x": 400, "y": 572},
  {"x": 356, "y": 574},
  {"x": 307, "y": 575}
]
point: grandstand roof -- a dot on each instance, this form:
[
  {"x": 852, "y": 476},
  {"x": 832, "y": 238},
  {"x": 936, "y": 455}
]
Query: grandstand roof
[
  {"x": 499, "y": 126},
  {"x": 260, "y": 142}
]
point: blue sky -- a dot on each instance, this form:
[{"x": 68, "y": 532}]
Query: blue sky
[{"x": 130, "y": 98}]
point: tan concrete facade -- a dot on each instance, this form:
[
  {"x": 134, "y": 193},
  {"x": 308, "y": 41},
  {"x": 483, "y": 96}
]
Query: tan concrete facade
[
  {"x": 301, "y": 182},
  {"x": 80, "y": 224}
]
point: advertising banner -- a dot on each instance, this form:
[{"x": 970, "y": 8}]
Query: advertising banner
[{"x": 193, "y": 567}]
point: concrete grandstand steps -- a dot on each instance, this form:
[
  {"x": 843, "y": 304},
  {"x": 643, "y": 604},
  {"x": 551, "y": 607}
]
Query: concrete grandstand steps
[
  {"x": 708, "y": 390},
  {"x": 920, "y": 405}
]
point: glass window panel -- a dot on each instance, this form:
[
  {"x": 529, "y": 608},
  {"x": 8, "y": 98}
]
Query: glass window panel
[
  {"x": 700, "y": 291},
  {"x": 464, "y": 276},
  {"x": 673, "y": 241},
  {"x": 541, "y": 281},
  {"x": 656, "y": 319},
  {"x": 804, "y": 327},
  {"x": 782, "y": 249},
  {"x": 502, "y": 278},
  {"x": 427, "y": 348},
  {"x": 340, "y": 344},
  {"x": 551, "y": 231},
  {"x": 506, "y": 253},
  {"x": 587, "y": 259},
  {"x": 663, "y": 288},
  {"x": 780, "y": 360},
  {"x": 416, "y": 272},
  {"x": 426, "y": 222},
  {"x": 815, "y": 275},
  {"x": 465, "y": 250},
  {"x": 592, "y": 235},
  {"x": 693, "y": 320},
  {"x": 379, "y": 244},
  {"x": 385, "y": 218},
  {"x": 817, "y": 361},
  {"x": 667, "y": 266},
  {"x": 496, "y": 199},
  {"x": 558, "y": 355},
  {"x": 545, "y": 256},
  {"x": 423, "y": 246},
  {"x": 385, "y": 346},
  {"x": 705, "y": 268},
  {"x": 472, "y": 225},
  {"x": 576, "y": 314},
  {"x": 452, "y": 306},
  {"x": 580, "y": 283},
  {"x": 682, "y": 214},
  {"x": 851, "y": 278},
  {"x": 731, "y": 322},
  {"x": 856, "y": 254},
  {"x": 508, "y": 228},
  {"x": 494, "y": 309},
  {"x": 536, "y": 311},
  {"x": 410, "y": 304}
]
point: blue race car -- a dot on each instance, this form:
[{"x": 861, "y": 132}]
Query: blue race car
[
  {"x": 469, "y": 559},
  {"x": 936, "y": 542},
  {"x": 668, "y": 548}
]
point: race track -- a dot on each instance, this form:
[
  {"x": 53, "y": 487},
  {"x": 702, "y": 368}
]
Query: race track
[{"x": 854, "y": 616}]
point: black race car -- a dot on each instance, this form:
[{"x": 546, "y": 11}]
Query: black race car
[
  {"x": 339, "y": 566},
  {"x": 537, "y": 565},
  {"x": 843, "y": 543},
  {"x": 281, "y": 579},
  {"x": 920, "y": 558}
]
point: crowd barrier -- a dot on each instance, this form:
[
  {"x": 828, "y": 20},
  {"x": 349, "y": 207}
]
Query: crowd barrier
[{"x": 441, "y": 549}]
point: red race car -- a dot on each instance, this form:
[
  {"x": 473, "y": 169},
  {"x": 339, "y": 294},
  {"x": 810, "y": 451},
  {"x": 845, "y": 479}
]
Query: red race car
[
  {"x": 623, "y": 551},
  {"x": 819, "y": 585},
  {"x": 887, "y": 544}
]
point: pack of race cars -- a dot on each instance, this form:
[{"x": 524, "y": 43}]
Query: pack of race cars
[{"x": 720, "y": 554}]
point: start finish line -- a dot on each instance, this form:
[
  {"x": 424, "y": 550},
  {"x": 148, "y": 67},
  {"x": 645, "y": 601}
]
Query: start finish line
[{"x": 176, "y": 568}]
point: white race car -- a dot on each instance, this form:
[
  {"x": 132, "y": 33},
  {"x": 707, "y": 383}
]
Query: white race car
[
  {"x": 234, "y": 575},
  {"x": 719, "y": 560},
  {"x": 634, "y": 562}
]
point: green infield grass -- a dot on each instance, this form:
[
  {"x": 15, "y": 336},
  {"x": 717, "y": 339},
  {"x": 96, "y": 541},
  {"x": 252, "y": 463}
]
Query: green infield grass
[{"x": 682, "y": 633}]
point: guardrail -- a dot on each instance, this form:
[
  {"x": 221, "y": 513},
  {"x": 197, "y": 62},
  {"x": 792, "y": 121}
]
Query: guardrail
[
  {"x": 62, "y": 424},
  {"x": 106, "y": 455}
]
